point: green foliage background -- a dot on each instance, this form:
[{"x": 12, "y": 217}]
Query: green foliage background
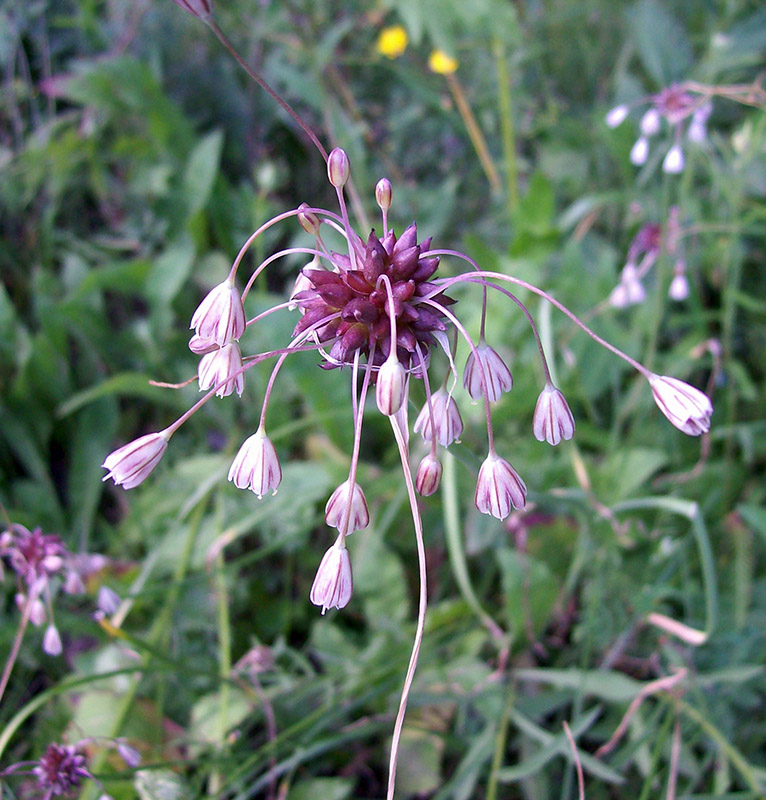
[{"x": 135, "y": 159}]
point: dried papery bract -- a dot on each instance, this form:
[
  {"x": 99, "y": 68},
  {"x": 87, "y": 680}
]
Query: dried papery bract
[
  {"x": 333, "y": 583},
  {"x": 339, "y": 515},
  {"x": 256, "y": 465},
  {"x": 553, "y": 420},
  {"x": 130, "y": 464},
  {"x": 499, "y": 488},
  {"x": 687, "y": 408},
  {"x": 202, "y": 9}
]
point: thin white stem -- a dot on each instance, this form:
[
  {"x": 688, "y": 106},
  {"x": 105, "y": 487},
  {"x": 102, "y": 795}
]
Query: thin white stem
[
  {"x": 422, "y": 606},
  {"x": 274, "y": 257}
]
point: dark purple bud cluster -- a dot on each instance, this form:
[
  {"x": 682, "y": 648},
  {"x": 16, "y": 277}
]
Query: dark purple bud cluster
[{"x": 356, "y": 300}]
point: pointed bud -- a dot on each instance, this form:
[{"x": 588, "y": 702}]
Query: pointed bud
[
  {"x": 202, "y": 9},
  {"x": 333, "y": 584},
  {"x": 499, "y": 488},
  {"x": 128, "y": 754},
  {"x": 447, "y": 421},
  {"x": 337, "y": 509},
  {"x": 308, "y": 219},
  {"x": 650, "y": 122},
  {"x": 391, "y": 388},
  {"x": 222, "y": 368},
  {"x": 429, "y": 475},
  {"x": 640, "y": 151},
  {"x": 616, "y": 116},
  {"x": 674, "y": 161},
  {"x": 552, "y": 421},
  {"x": 52, "y": 641},
  {"x": 338, "y": 168},
  {"x": 496, "y": 374},
  {"x": 384, "y": 194},
  {"x": 37, "y": 612},
  {"x": 221, "y": 315},
  {"x": 687, "y": 408},
  {"x": 256, "y": 465},
  {"x": 130, "y": 464}
]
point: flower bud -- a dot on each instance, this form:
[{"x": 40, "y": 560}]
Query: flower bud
[
  {"x": 338, "y": 168},
  {"x": 679, "y": 287},
  {"x": 333, "y": 584},
  {"x": 202, "y": 9},
  {"x": 674, "y": 161},
  {"x": 391, "y": 388},
  {"x": 487, "y": 363},
  {"x": 221, "y": 315},
  {"x": 429, "y": 475},
  {"x": 308, "y": 219},
  {"x": 552, "y": 421},
  {"x": 687, "y": 408},
  {"x": 256, "y": 465},
  {"x": 384, "y": 194},
  {"x": 52, "y": 641},
  {"x": 337, "y": 509},
  {"x": 616, "y": 116},
  {"x": 499, "y": 488},
  {"x": 222, "y": 368},
  {"x": 108, "y": 600},
  {"x": 130, "y": 464}
]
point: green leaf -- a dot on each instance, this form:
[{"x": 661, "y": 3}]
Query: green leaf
[
  {"x": 530, "y": 590},
  {"x": 606, "y": 685},
  {"x": 661, "y": 41},
  {"x": 755, "y": 517},
  {"x": 169, "y": 272},
  {"x": 201, "y": 171},
  {"x": 160, "y": 784},
  {"x": 324, "y": 788}
]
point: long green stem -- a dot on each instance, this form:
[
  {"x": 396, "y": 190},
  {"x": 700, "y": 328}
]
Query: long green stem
[{"x": 505, "y": 105}]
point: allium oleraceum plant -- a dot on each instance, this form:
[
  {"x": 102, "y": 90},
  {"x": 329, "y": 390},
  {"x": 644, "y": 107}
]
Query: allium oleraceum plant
[{"x": 379, "y": 310}]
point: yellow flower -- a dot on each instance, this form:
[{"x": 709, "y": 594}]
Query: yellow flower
[
  {"x": 440, "y": 62},
  {"x": 392, "y": 41}
]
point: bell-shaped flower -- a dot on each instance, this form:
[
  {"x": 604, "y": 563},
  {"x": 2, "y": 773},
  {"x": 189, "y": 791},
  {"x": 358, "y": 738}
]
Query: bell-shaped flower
[
  {"x": 429, "y": 475},
  {"x": 391, "y": 388},
  {"x": 687, "y": 408},
  {"x": 552, "y": 421},
  {"x": 221, "y": 315},
  {"x": 496, "y": 374},
  {"x": 650, "y": 122},
  {"x": 333, "y": 584},
  {"x": 130, "y": 464},
  {"x": 52, "y": 641},
  {"x": 640, "y": 151},
  {"x": 616, "y": 116},
  {"x": 674, "y": 161},
  {"x": 222, "y": 368},
  {"x": 346, "y": 509},
  {"x": 629, "y": 291},
  {"x": 499, "y": 488},
  {"x": 679, "y": 287},
  {"x": 256, "y": 465},
  {"x": 447, "y": 422}
]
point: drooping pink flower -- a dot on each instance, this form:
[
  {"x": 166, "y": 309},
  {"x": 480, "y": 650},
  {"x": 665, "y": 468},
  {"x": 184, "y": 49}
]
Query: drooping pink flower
[
  {"x": 447, "y": 422},
  {"x": 333, "y": 583},
  {"x": 499, "y": 488},
  {"x": 256, "y": 465},
  {"x": 337, "y": 509},
  {"x": 221, "y": 315},
  {"x": 687, "y": 408},
  {"x": 496, "y": 374},
  {"x": 552, "y": 421},
  {"x": 219, "y": 365},
  {"x": 130, "y": 464}
]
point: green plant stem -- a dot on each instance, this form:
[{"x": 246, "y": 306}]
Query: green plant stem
[
  {"x": 505, "y": 106},
  {"x": 224, "y": 659},
  {"x": 13, "y": 655},
  {"x": 500, "y": 740},
  {"x": 456, "y": 550}
]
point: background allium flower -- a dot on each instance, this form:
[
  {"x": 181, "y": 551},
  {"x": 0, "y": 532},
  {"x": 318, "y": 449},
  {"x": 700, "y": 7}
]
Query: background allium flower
[
  {"x": 679, "y": 287},
  {"x": 687, "y": 408},
  {"x": 333, "y": 583},
  {"x": 130, "y": 464},
  {"x": 256, "y": 465},
  {"x": 203, "y": 9},
  {"x": 674, "y": 161},
  {"x": 496, "y": 374},
  {"x": 447, "y": 422},
  {"x": 499, "y": 488},
  {"x": 615, "y": 116},
  {"x": 552, "y": 421},
  {"x": 61, "y": 769},
  {"x": 33, "y": 555},
  {"x": 221, "y": 315},
  {"x": 52, "y": 641},
  {"x": 337, "y": 508}
]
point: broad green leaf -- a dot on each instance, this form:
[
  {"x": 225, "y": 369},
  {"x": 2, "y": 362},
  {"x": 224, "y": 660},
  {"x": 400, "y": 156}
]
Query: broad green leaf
[
  {"x": 324, "y": 788},
  {"x": 201, "y": 171},
  {"x": 606, "y": 685},
  {"x": 160, "y": 784},
  {"x": 662, "y": 42}
]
